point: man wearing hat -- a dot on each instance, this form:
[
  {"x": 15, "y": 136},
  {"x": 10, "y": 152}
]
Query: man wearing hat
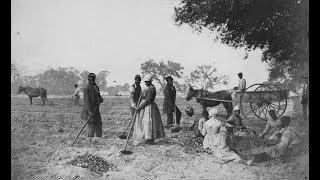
[
  {"x": 92, "y": 100},
  {"x": 135, "y": 92},
  {"x": 241, "y": 86},
  {"x": 242, "y": 83},
  {"x": 169, "y": 103}
]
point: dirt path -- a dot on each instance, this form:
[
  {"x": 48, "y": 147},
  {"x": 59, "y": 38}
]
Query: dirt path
[{"x": 41, "y": 138}]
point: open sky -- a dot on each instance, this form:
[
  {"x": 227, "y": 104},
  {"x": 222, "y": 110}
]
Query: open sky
[{"x": 117, "y": 35}]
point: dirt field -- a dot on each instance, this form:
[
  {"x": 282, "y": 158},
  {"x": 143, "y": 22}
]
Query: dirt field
[{"x": 41, "y": 140}]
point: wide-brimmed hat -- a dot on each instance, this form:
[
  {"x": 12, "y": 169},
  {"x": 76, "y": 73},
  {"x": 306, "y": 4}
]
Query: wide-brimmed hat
[
  {"x": 169, "y": 78},
  {"x": 91, "y": 75},
  {"x": 240, "y": 73},
  {"x": 137, "y": 78}
]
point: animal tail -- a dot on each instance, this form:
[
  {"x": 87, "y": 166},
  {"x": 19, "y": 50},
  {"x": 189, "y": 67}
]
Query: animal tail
[{"x": 45, "y": 94}]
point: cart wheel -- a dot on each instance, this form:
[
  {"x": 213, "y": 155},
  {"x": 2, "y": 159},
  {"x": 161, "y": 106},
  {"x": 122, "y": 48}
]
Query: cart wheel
[
  {"x": 255, "y": 100},
  {"x": 280, "y": 104}
]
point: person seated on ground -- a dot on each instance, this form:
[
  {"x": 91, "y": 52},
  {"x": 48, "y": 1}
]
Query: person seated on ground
[
  {"x": 215, "y": 140},
  {"x": 235, "y": 118},
  {"x": 75, "y": 96},
  {"x": 190, "y": 112},
  {"x": 289, "y": 140},
  {"x": 205, "y": 117},
  {"x": 236, "y": 121},
  {"x": 273, "y": 122}
]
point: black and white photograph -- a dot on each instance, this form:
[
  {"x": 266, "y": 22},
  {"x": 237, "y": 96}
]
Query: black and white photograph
[{"x": 159, "y": 89}]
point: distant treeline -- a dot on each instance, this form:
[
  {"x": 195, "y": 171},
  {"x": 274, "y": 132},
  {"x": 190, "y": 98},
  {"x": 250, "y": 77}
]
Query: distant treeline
[
  {"x": 57, "y": 81},
  {"x": 61, "y": 80}
]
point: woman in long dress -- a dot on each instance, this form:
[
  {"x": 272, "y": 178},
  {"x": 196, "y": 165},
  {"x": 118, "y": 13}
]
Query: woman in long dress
[
  {"x": 147, "y": 124},
  {"x": 215, "y": 139}
]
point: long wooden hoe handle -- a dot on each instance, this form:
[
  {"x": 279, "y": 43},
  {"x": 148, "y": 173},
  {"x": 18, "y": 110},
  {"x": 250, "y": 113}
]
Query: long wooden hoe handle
[
  {"x": 132, "y": 123},
  {"x": 83, "y": 126}
]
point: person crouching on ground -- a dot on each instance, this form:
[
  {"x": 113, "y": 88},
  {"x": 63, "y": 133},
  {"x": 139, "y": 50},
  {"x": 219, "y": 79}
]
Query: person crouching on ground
[
  {"x": 205, "y": 117},
  {"x": 236, "y": 121},
  {"x": 92, "y": 100},
  {"x": 289, "y": 140},
  {"x": 235, "y": 118},
  {"x": 147, "y": 124},
  {"x": 272, "y": 123},
  {"x": 215, "y": 139}
]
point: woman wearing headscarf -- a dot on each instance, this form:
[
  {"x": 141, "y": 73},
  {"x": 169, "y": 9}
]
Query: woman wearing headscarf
[
  {"x": 215, "y": 139},
  {"x": 147, "y": 124},
  {"x": 288, "y": 143},
  {"x": 272, "y": 125}
]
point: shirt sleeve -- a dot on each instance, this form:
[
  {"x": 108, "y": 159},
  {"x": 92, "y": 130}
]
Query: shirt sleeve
[
  {"x": 148, "y": 99},
  {"x": 204, "y": 130},
  {"x": 86, "y": 100},
  {"x": 132, "y": 91},
  {"x": 242, "y": 84}
]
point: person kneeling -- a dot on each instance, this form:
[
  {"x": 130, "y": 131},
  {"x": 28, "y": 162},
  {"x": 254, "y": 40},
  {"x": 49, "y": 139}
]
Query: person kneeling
[
  {"x": 216, "y": 135},
  {"x": 289, "y": 138}
]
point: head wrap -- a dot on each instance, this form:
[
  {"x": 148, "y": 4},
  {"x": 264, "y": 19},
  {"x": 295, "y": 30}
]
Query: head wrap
[{"x": 212, "y": 112}]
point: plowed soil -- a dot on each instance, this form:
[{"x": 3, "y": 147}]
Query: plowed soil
[{"x": 41, "y": 138}]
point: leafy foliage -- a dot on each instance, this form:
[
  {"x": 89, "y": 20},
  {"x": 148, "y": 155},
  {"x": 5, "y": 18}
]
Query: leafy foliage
[
  {"x": 279, "y": 27},
  {"x": 161, "y": 70},
  {"x": 59, "y": 80},
  {"x": 101, "y": 79},
  {"x": 206, "y": 73}
]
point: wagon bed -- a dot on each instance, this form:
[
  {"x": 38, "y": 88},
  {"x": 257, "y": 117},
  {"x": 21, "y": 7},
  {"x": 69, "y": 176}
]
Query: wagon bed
[{"x": 258, "y": 99}]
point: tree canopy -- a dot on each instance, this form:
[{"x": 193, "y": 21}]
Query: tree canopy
[
  {"x": 161, "y": 70},
  {"x": 58, "y": 80},
  {"x": 279, "y": 27},
  {"x": 206, "y": 75}
]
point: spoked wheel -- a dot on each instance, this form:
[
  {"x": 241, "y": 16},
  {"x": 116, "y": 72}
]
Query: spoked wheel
[
  {"x": 279, "y": 100},
  {"x": 256, "y": 101}
]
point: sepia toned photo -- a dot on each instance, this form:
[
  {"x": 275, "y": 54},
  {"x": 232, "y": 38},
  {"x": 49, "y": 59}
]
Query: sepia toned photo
[{"x": 160, "y": 89}]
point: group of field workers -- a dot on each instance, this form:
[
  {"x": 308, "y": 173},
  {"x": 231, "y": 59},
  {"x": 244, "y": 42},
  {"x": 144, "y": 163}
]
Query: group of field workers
[{"x": 216, "y": 132}]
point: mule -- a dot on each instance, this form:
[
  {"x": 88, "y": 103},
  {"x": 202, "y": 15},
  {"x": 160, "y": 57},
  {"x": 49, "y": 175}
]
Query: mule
[
  {"x": 200, "y": 93},
  {"x": 34, "y": 92}
]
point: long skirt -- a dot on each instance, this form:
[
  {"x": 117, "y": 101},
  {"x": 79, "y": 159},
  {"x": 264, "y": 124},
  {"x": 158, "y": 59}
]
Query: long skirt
[
  {"x": 148, "y": 124},
  {"x": 221, "y": 150}
]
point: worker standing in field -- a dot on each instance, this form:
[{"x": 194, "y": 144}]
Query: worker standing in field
[
  {"x": 147, "y": 124},
  {"x": 242, "y": 83},
  {"x": 135, "y": 92},
  {"x": 75, "y": 96},
  {"x": 240, "y": 88},
  {"x": 92, "y": 100},
  {"x": 169, "y": 104}
]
